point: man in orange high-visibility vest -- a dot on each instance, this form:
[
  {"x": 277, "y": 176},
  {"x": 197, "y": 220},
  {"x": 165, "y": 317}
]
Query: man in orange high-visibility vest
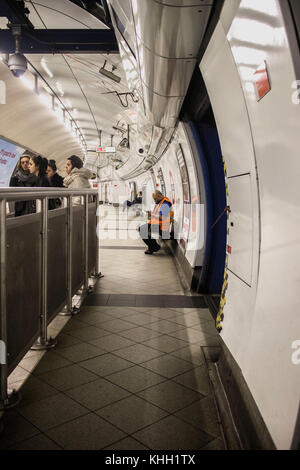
[{"x": 160, "y": 222}]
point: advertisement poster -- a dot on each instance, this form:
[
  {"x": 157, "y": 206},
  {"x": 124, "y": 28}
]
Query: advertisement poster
[
  {"x": 9, "y": 156},
  {"x": 186, "y": 196}
]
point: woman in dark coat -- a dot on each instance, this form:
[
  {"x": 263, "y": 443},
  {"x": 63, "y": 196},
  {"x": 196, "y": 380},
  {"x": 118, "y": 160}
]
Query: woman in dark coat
[
  {"x": 22, "y": 178},
  {"x": 38, "y": 167},
  {"x": 55, "y": 180}
]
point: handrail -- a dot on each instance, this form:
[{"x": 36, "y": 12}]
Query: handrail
[{"x": 19, "y": 194}]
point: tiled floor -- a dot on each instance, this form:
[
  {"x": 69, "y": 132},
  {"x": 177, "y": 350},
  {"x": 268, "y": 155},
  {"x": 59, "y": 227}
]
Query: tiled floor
[{"x": 121, "y": 377}]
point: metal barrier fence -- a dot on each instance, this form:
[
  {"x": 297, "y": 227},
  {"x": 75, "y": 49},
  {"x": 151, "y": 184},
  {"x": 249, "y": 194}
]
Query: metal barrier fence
[{"x": 45, "y": 258}]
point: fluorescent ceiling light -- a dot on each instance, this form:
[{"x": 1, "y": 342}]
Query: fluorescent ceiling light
[{"x": 46, "y": 68}]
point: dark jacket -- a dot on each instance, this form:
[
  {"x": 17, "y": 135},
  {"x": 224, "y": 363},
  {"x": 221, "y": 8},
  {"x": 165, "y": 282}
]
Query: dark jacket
[
  {"x": 58, "y": 182},
  {"x": 18, "y": 180},
  {"x": 43, "y": 182}
]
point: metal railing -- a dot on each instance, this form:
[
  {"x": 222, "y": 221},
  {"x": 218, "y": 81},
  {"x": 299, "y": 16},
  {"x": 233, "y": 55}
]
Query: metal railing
[{"x": 63, "y": 219}]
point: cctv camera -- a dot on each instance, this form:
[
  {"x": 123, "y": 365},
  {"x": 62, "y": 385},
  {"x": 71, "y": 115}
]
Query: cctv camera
[
  {"x": 141, "y": 151},
  {"x": 17, "y": 64}
]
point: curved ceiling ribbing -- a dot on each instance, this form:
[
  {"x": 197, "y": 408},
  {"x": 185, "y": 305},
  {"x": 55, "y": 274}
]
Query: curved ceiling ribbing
[{"x": 90, "y": 97}]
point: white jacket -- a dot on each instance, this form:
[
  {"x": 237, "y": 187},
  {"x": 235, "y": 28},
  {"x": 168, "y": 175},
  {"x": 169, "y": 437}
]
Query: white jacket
[{"x": 78, "y": 178}]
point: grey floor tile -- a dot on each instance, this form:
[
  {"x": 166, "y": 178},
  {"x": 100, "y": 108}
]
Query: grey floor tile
[
  {"x": 131, "y": 414},
  {"x": 89, "y": 432},
  {"x": 106, "y": 364},
  {"x": 164, "y": 314},
  {"x": 81, "y": 352},
  {"x": 68, "y": 377},
  {"x": 112, "y": 342},
  {"x": 197, "y": 379},
  {"x": 52, "y": 411},
  {"x": 136, "y": 379},
  {"x": 127, "y": 444},
  {"x": 88, "y": 333},
  {"x": 64, "y": 340},
  {"x": 116, "y": 325},
  {"x": 216, "y": 444},
  {"x": 97, "y": 394},
  {"x": 165, "y": 343},
  {"x": 169, "y": 397},
  {"x": 190, "y": 320},
  {"x": 168, "y": 366},
  {"x": 141, "y": 319},
  {"x": 202, "y": 415},
  {"x": 172, "y": 434},
  {"x": 192, "y": 353},
  {"x": 34, "y": 389},
  {"x": 39, "y": 442},
  {"x": 140, "y": 334},
  {"x": 165, "y": 326},
  {"x": 138, "y": 353},
  {"x": 15, "y": 428},
  {"x": 50, "y": 361},
  {"x": 192, "y": 336},
  {"x": 74, "y": 324},
  {"x": 92, "y": 317},
  {"x": 208, "y": 327}
]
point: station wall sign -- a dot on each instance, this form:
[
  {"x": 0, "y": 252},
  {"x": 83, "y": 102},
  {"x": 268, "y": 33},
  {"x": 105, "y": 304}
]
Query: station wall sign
[{"x": 106, "y": 149}]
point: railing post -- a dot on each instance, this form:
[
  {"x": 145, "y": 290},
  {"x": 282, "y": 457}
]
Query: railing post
[
  {"x": 6, "y": 401},
  {"x": 86, "y": 288},
  {"x": 97, "y": 274},
  {"x": 69, "y": 309},
  {"x": 43, "y": 343}
]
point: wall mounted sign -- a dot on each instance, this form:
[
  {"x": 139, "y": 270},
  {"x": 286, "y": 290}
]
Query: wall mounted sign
[
  {"x": 106, "y": 149},
  {"x": 186, "y": 196},
  {"x": 9, "y": 156},
  {"x": 262, "y": 81}
]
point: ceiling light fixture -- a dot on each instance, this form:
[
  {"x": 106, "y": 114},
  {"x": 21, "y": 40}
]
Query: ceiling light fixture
[{"x": 109, "y": 74}]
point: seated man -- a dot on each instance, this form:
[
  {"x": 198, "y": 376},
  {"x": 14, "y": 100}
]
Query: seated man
[
  {"x": 160, "y": 222},
  {"x": 137, "y": 200}
]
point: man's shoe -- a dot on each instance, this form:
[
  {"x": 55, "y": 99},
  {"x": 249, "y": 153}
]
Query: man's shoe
[
  {"x": 149, "y": 252},
  {"x": 157, "y": 249}
]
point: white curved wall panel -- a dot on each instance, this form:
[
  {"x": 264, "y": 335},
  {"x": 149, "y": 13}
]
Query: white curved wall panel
[
  {"x": 31, "y": 124},
  {"x": 262, "y": 322}
]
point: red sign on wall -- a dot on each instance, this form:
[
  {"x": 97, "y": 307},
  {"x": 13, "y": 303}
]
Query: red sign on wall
[{"x": 261, "y": 80}]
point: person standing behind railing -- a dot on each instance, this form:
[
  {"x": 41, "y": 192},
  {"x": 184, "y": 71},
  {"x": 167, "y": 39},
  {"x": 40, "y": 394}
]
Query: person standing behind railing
[
  {"x": 22, "y": 178},
  {"x": 55, "y": 180},
  {"x": 38, "y": 167},
  {"x": 77, "y": 176}
]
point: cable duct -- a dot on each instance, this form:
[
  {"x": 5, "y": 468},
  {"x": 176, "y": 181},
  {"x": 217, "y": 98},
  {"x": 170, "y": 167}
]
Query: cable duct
[{"x": 167, "y": 39}]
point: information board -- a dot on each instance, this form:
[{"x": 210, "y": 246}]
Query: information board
[{"x": 9, "y": 156}]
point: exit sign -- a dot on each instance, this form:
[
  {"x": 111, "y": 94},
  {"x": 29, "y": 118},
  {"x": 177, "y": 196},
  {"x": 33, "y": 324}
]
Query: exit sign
[{"x": 106, "y": 149}]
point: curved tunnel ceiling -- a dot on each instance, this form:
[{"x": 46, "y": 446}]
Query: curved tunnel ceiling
[{"x": 90, "y": 97}]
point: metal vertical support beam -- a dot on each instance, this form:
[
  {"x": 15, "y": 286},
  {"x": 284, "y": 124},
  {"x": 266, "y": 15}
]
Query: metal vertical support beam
[
  {"x": 69, "y": 309},
  {"x": 43, "y": 341},
  {"x": 86, "y": 244},
  {"x": 6, "y": 401},
  {"x": 97, "y": 274}
]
